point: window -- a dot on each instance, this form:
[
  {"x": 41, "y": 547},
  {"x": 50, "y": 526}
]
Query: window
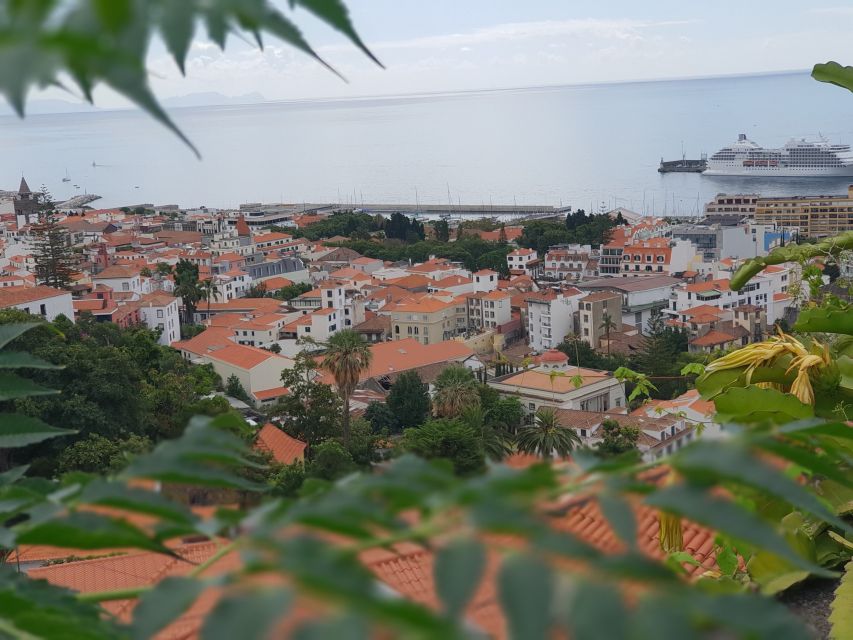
[
  {"x": 125, "y": 286},
  {"x": 159, "y": 313},
  {"x": 586, "y": 332},
  {"x": 417, "y": 330},
  {"x": 43, "y": 310},
  {"x": 329, "y": 293},
  {"x": 397, "y": 329},
  {"x": 307, "y": 329},
  {"x": 409, "y": 330}
]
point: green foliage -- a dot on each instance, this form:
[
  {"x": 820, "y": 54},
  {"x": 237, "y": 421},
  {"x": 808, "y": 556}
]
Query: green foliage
[
  {"x": 54, "y": 258},
  {"x": 311, "y": 411},
  {"x": 581, "y": 354},
  {"x": 661, "y": 358},
  {"x": 292, "y": 291},
  {"x": 466, "y": 250},
  {"x": 362, "y": 444},
  {"x": 455, "y": 390},
  {"x": 400, "y": 227},
  {"x": 834, "y": 73},
  {"x": 96, "y": 454},
  {"x": 579, "y": 228},
  {"x": 442, "y": 230},
  {"x": 546, "y": 436},
  {"x": 451, "y": 440},
  {"x": 330, "y": 461},
  {"x": 617, "y": 440},
  {"x": 381, "y": 418},
  {"x": 287, "y": 480},
  {"x": 234, "y": 388},
  {"x": 409, "y": 401},
  {"x": 343, "y": 223}
]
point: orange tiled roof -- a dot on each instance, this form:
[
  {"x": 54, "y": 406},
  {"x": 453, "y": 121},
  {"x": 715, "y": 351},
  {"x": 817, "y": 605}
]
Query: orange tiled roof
[
  {"x": 284, "y": 449},
  {"x": 713, "y": 338},
  {"x": 10, "y": 296},
  {"x": 244, "y": 357}
]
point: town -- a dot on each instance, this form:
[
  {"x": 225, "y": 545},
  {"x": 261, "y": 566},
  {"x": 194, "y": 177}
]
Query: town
[{"x": 247, "y": 291}]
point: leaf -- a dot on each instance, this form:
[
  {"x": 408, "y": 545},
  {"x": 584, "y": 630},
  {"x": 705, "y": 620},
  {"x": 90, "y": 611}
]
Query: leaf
[
  {"x": 727, "y": 517},
  {"x": 23, "y": 360},
  {"x": 13, "y": 386},
  {"x": 620, "y": 516},
  {"x": 335, "y": 13},
  {"x": 841, "y": 617},
  {"x": 177, "y": 24},
  {"x": 825, "y": 320},
  {"x": 834, "y": 73},
  {"x": 80, "y": 530},
  {"x": 9, "y": 332},
  {"x": 120, "y": 496},
  {"x": 711, "y": 384},
  {"x": 525, "y": 588},
  {"x": 811, "y": 462},
  {"x": 457, "y": 573},
  {"x": 19, "y": 431},
  {"x": 725, "y": 460},
  {"x": 596, "y": 611},
  {"x": 727, "y": 560},
  {"x": 169, "y": 599},
  {"x": 753, "y": 404},
  {"x": 694, "y": 368},
  {"x": 252, "y": 614}
]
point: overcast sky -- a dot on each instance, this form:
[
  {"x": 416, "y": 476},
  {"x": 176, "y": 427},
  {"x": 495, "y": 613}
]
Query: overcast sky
[{"x": 449, "y": 45}]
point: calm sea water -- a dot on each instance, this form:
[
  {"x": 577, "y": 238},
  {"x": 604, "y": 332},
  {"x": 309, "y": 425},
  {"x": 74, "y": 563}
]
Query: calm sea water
[{"x": 579, "y": 145}]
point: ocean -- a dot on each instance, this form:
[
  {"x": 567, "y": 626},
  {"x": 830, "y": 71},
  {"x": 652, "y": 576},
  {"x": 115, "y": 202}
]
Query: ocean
[{"x": 586, "y": 146}]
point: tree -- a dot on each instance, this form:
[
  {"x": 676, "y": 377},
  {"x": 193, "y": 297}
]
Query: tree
[
  {"x": 502, "y": 235},
  {"x": 256, "y": 290},
  {"x": 608, "y": 325},
  {"x": 451, "y": 440},
  {"x": 291, "y": 291},
  {"x": 546, "y": 436},
  {"x": 616, "y": 439},
  {"x": 658, "y": 357},
  {"x": 146, "y": 272},
  {"x": 497, "y": 442},
  {"x": 362, "y": 445},
  {"x": 442, "y": 230},
  {"x": 409, "y": 401},
  {"x": 234, "y": 388},
  {"x": 381, "y": 417},
  {"x": 54, "y": 258},
  {"x": 347, "y": 357},
  {"x": 311, "y": 410},
  {"x": 187, "y": 288},
  {"x": 97, "y": 454},
  {"x": 287, "y": 479},
  {"x": 455, "y": 389},
  {"x": 275, "y": 347},
  {"x": 208, "y": 291},
  {"x": 330, "y": 461},
  {"x": 164, "y": 269}
]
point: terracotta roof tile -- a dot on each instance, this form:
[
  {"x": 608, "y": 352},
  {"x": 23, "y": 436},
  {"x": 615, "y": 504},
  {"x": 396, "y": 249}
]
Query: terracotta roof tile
[{"x": 284, "y": 449}]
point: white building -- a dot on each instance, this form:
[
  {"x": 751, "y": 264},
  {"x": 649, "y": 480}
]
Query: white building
[
  {"x": 640, "y": 296},
  {"x": 161, "y": 312},
  {"x": 46, "y": 302},
  {"x": 570, "y": 388},
  {"x": 519, "y": 261},
  {"x": 485, "y": 280},
  {"x": 550, "y": 317},
  {"x": 488, "y": 310},
  {"x": 120, "y": 278}
]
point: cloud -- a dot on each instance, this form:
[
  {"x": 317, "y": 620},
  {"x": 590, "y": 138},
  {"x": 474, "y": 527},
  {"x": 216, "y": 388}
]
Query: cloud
[
  {"x": 833, "y": 11},
  {"x": 519, "y": 31}
]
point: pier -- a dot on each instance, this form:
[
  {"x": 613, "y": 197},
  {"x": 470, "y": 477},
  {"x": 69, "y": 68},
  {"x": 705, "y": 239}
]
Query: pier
[{"x": 78, "y": 201}]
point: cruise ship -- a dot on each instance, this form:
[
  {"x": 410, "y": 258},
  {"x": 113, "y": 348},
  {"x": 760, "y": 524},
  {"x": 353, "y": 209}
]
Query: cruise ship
[{"x": 798, "y": 158}]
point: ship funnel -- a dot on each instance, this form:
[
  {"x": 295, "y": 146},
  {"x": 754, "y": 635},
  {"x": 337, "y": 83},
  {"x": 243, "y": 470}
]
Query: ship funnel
[{"x": 741, "y": 137}]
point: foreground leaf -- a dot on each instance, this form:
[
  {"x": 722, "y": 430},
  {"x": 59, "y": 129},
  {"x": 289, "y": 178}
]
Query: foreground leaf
[
  {"x": 89, "y": 531},
  {"x": 526, "y": 587},
  {"x": 252, "y": 614},
  {"x": 834, "y": 73},
  {"x": 19, "y": 431},
  {"x": 458, "y": 570},
  {"x": 164, "y": 604}
]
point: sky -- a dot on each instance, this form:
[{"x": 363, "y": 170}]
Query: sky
[{"x": 453, "y": 45}]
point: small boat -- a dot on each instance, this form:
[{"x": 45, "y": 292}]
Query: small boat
[{"x": 66, "y": 178}]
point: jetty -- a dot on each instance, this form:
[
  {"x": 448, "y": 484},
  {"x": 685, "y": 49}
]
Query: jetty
[
  {"x": 78, "y": 201},
  {"x": 684, "y": 165}
]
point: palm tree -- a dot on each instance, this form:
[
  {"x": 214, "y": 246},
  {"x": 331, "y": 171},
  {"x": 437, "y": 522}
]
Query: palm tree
[
  {"x": 190, "y": 293},
  {"x": 607, "y": 324},
  {"x": 347, "y": 357},
  {"x": 208, "y": 291},
  {"x": 164, "y": 269},
  {"x": 497, "y": 441},
  {"x": 546, "y": 436},
  {"x": 455, "y": 391}
]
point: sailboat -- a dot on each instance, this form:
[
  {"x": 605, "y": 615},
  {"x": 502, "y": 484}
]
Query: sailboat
[{"x": 66, "y": 178}]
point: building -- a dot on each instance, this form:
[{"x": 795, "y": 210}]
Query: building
[
  {"x": 488, "y": 310},
  {"x": 485, "y": 280},
  {"x": 640, "y": 296},
  {"x": 716, "y": 241},
  {"x": 25, "y": 205},
  {"x": 120, "y": 278},
  {"x": 658, "y": 256},
  {"x": 429, "y": 320},
  {"x": 550, "y": 317},
  {"x": 46, "y": 302},
  {"x": 161, "y": 312},
  {"x": 740, "y": 204},
  {"x": 569, "y": 262},
  {"x": 812, "y": 216},
  {"x": 524, "y": 262},
  {"x": 553, "y": 383},
  {"x": 591, "y": 316}
]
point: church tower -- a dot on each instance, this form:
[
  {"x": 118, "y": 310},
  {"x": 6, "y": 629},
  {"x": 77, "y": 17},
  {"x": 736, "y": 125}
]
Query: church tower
[{"x": 26, "y": 205}]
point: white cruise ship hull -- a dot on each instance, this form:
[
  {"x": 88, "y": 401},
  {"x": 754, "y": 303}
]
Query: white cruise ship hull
[{"x": 779, "y": 172}]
